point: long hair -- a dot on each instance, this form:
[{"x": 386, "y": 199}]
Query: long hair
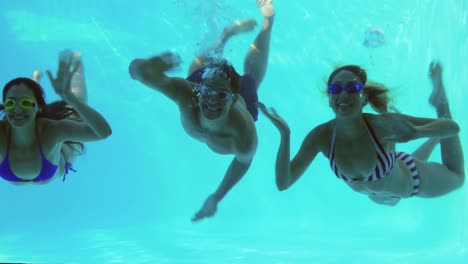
[
  {"x": 377, "y": 93},
  {"x": 56, "y": 110}
]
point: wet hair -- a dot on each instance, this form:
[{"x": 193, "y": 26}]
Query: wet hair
[
  {"x": 56, "y": 110},
  {"x": 216, "y": 66},
  {"x": 35, "y": 87},
  {"x": 377, "y": 93},
  {"x": 356, "y": 70}
]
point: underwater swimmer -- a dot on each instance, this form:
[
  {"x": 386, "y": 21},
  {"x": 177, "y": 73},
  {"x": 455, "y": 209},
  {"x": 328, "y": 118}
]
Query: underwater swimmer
[
  {"x": 218, "y": 106},
  {"x": 40, "y": 141},
  {"x": 361, "y": 146}
]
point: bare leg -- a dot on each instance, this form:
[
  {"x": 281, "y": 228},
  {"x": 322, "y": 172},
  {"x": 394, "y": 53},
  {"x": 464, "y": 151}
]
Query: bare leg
[
  {"x": 438, "y": 179},
  {"x": 256, "y": 60},
  {"x": 452, "y": 153},
  {"x": 240, "y": 26},
  {"x": 37, "y": 76},
  {"x": 78, "y": 80},
  {"x": 425, "y": 150}
]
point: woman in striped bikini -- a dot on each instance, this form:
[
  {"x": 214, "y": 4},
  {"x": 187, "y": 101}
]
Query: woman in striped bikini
[{"x": 361, "y": 146}]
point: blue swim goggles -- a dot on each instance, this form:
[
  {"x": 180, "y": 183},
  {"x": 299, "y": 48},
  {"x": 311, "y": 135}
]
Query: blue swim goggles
[
  {"x": 351, "y": 87},
  {"x": 221, "y": 95}
]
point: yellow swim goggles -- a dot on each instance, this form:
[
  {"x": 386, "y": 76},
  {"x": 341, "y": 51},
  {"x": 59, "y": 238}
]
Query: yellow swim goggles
[{"x": 25, "y": 103}]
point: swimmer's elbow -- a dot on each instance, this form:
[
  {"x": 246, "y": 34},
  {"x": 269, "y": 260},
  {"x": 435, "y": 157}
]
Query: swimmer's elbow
[
  {"x": 456, "y": 128},
  {"x": 103, "y": 131},
  {"x": 134, "y": 69},
  {"x": 107, "y": 133},
  {"x": 461, "y": 180},
  {"x": 282, "y": 185},
  {"x": 284, "y": 179}
]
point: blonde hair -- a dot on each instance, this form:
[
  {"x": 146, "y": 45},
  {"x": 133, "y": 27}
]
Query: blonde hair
[{"x": 377, "y": 96}]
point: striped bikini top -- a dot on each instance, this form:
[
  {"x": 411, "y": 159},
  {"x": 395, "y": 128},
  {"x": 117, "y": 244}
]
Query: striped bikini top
[{"x": 385, "y": 160}]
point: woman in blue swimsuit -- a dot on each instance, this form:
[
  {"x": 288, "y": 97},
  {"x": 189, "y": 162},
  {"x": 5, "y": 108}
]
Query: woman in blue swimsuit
[
  {"x": 361, "y": 146},
  {"x": 39, "y": 141}
]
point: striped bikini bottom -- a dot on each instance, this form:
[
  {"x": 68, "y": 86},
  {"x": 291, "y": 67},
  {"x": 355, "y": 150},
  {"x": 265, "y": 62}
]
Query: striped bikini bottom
[{"x": 409, "y": 161}]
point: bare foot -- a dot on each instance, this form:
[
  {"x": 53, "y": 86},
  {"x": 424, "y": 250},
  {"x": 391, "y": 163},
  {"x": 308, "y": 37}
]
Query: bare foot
[
  {"x": 78, "y": 82},
  {"x": 266, "y": 7},
  {"x": 37, "y": 75},
  {"x": 438, "y": 93},
  {"x": 240, "y": 26},
  {"x": 76, "y": 57}
]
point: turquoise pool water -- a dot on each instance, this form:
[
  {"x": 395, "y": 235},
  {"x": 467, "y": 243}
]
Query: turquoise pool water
[{"x": 134, "y": 194}]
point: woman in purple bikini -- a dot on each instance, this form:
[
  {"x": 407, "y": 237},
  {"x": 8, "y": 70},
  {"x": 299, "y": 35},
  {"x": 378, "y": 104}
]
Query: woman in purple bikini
[
  {"x": 360, "y": 147},
  {"x": 40, "y": 141}
]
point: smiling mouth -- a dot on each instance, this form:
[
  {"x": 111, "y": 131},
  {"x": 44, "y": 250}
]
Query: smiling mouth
[
  {"x": 211, "y": 108},
  {"x": 18, "y": 117},
  {"x": 343, "y": 104}
]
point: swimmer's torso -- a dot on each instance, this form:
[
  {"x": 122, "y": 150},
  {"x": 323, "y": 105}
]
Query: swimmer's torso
[
  {"x": 358, "y": 158},
  {"x": 26, "y": 162},
  {"x": 223, "y": 140}
]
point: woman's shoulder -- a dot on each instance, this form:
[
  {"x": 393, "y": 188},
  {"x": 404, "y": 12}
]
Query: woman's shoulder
[
  {"x": 48, "y": 131},
  {"x": 324, "y": 129},
  {"x": 377, "y": 117},
  {"x": 321, "y": 135},
  {"x": 46, "y": 125},
  {"x": 376, "y": 120},
  {"x": 371, "y": 117},
  {"x": 379, "y": 123},
  {"x": 44, "y": 122}
]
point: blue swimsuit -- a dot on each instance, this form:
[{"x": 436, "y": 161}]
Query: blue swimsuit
[{"x": 48, "y": 169}]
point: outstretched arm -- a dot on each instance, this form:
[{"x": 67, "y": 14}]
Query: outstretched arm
[
  {"x": 94, "y": 126},
  {"x": 235, "y": 172},
  {"x": 151, "y": 72},
  {"x": 287, "y": 172},
  {"x": 244, "y": 149},
  {"x": 399, "y": 128}
]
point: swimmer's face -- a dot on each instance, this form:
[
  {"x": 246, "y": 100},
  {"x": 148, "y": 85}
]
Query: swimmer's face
[
  {"x": 347, "y": 103},
  {"x": 216, "y": 97},
  {"x": 25, "y": 106}
]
